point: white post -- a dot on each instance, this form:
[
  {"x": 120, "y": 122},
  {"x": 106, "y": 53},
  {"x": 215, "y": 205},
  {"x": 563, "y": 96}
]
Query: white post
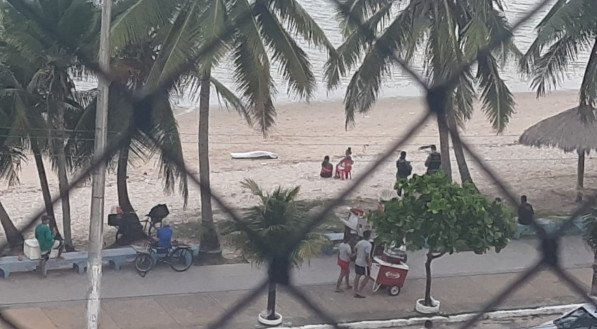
[{"x": 94, "y": 265}]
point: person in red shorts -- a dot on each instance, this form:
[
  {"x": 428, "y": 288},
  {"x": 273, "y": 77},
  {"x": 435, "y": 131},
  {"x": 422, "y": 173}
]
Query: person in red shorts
[{"x": 344, "y": 255}]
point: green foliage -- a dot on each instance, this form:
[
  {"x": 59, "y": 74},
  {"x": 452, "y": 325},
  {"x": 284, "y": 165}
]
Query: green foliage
[
  {"x": 444, "y": 217},
  {"x": 568, "y": 29},
  {"x": 275, "y": 220},
  {"x": 449, "y": 32},
  {"x": 590, "y": 229}
]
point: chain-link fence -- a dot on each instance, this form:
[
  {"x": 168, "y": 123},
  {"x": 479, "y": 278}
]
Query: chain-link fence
[{"x": 280, "y": 266}]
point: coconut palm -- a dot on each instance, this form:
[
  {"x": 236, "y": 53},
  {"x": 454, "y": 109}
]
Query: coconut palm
[
  {"x": 275, "y": 220},
  {"x": 11, "y": 157},
  {"x": 570, "y": 27},
  {"x": 51, "y": 83},
  {"x": 449, "y": 33},
  {"x": 250, "y": 32}
]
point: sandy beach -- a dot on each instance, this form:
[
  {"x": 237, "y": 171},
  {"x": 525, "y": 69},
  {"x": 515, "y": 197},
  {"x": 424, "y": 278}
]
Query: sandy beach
[{"x": 304, "y": 133}]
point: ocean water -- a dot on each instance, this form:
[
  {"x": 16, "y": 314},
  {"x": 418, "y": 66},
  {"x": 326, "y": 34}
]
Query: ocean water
[{"x": 397, "y": 83}]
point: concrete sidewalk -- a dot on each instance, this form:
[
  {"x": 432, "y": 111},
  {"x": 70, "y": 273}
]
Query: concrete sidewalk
[
  {"x": 68, "y": 286},
  {"x": 458, "y": 294}
]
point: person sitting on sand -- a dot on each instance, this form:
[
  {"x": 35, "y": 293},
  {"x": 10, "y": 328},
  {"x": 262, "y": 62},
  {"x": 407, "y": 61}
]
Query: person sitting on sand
[
  {"x": 525, "y": 211},
  {"x": 326, "y": 168},
  {"x": 347, "y": 160}
]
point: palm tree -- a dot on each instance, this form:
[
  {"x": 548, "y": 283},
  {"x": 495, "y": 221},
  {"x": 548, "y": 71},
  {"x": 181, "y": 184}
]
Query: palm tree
[
  {"x": 21, "y": 108},
  {"x": 220, "y": 27},
  {"x": 10, "y": 162},
  {"x": 570, "y": 27},
  {"x": 274, "y": 220},
  {"x": 51, "y": 82},
  {"x": 450, "y": 33}
]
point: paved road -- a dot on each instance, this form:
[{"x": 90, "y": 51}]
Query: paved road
[{"x": 67, "y": 286}]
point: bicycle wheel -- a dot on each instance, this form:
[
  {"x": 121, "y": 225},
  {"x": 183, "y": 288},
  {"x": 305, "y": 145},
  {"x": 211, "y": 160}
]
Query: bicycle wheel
[
  {"x": 181, "y": 259},
  {"x": 143, "y": 262}
]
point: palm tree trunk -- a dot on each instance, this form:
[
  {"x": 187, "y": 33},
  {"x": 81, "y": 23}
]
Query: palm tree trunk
[
  {"x": 594, "y": 281},
  {"x": 271, "y": 301},
  {"x": 43, "y": 182},
  {"x": 63, "y": 181},
  {"x": 465, "y": 174},
  {"x": 121, "y": 176},
  {"x": 13, "y": 236},
  {"x": 444, "y": 145},
  {"x": 580, "y": 175},
  {"x": 210, "y": 243}
]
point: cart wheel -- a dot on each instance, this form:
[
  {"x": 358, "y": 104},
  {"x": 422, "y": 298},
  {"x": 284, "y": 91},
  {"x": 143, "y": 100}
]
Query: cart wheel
[
  {"x": 376, "y": 286},
  {"x": 394, "y": 290}
]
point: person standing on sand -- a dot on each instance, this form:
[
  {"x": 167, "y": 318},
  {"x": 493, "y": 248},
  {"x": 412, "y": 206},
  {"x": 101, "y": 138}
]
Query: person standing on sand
[
  {"x": 344, "y": 255},
  {"x": 404, "y": 169},
  {"x": 362, "y": 264},
  {"x": 434, "y": 160},
  {"x": 525, "y": 211}
]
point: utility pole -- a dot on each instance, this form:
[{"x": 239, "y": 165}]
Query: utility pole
[{"x": 94, "y": 265}]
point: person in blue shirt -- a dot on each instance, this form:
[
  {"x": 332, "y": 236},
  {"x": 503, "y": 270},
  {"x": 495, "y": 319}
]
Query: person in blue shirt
[{"x": 164, "y": 236}]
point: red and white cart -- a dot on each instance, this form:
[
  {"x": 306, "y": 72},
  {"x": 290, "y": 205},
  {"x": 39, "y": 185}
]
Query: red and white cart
[{"x": 389, "y": 271}]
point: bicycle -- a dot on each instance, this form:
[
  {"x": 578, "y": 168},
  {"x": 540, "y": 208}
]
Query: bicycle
[{"x": 179, "y": 257}]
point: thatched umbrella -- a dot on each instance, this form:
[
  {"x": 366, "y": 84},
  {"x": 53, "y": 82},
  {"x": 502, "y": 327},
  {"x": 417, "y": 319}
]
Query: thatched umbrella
[{"x": 568, "y": 132}]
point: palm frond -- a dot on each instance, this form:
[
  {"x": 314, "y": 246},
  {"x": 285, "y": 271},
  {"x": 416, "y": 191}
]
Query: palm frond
[
  {"x": 231, "y": 100},
  {"x": 498, "y": 101},
  {"x": 294, "y": 62},
  {"x": 301, "y": 23},
  {"x": 346, "y": 56},
  {"x": 165, "y": 138},
  {"x": 565, "y": 18},
  {"x": 253, "y": 187},
  {"x": 252, "y": 74},
  {"x": 463, "y": 99},
  {"x": 588, "y": 87},
  {"x": 11, "y": 158},
  {"x": 550, "y": 68},
  {"x": 275, "y": 221},
  {"x": 352, "y": 13},
  {"x": 134, "y": 20},
  {"x": 177, "y": 48}
]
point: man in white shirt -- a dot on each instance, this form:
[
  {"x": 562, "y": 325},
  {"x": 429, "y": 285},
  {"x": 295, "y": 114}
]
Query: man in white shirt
[
  {"x": 344, "y": 256},
  {"x": 362, "y": 264}
]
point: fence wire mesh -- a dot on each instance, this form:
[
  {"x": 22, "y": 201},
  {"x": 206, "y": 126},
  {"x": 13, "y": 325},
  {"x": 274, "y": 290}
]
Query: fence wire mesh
[{"x": 280, "y": 266}]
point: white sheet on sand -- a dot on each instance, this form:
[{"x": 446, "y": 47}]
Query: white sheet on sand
[{"x": 254, "y": 155}]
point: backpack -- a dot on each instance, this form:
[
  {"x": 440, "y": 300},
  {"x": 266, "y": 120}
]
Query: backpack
[
  {"x": 158, "y": 213},
  {"x": 435, "y": 161},
  {"x": 404, "y": 168}
]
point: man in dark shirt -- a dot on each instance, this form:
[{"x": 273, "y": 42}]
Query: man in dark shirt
[
  {"x": 404, "y": 170},
  {"x": 434, "y": 160},
  {"x": 525, "y": 212},
  {"x": 404, "y": 167}
]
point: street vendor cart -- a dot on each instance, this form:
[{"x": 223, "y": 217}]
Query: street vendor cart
[{"x": 389, "y": 270}]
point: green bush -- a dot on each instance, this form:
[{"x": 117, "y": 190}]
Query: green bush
[{"x": 443, "y": 217}]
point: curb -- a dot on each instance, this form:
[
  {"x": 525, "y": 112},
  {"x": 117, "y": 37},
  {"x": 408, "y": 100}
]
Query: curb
[{"x": 547, "y": 310}]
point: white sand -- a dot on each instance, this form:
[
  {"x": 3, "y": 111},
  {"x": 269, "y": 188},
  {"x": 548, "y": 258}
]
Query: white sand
[{"x": 305, "y": 133}]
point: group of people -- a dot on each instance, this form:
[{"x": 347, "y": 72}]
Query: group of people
[
  {"x": 433, "y": 163},
  {"x": 361, "y": 255},
  {"x": 327, "y": 168},
  {"x": 49, "y": 239}
]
